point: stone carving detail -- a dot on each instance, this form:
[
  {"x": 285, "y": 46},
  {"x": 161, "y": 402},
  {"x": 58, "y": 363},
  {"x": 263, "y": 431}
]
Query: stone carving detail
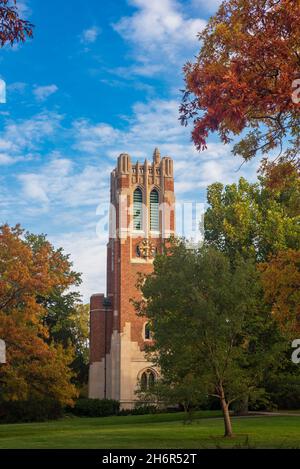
[{"x": 146, "y": 249}]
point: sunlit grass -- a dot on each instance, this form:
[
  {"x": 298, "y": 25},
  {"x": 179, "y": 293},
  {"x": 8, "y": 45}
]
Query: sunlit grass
[{"x": 153, "y": 431}]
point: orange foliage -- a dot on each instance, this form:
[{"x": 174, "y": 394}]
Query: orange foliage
[
  {"x": 281, "y": 281},
  {"x": 280, "y": 176},
  {"x": 12, "y": 27},
  {"x": 34, "y": 368},
  {"x": 244, "y": 76}
]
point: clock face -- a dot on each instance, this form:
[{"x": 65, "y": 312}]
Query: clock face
[{"x": 146, "y": 249}]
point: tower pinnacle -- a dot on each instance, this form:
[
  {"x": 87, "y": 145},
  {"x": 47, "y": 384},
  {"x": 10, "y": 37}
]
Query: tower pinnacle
[{"x": 156, "y": 156}]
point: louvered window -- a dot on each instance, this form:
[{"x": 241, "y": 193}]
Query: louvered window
[
  {"x": 154, "y": 211},
  {"x": 137, "y": 209}
]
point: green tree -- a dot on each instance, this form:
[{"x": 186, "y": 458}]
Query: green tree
[
  {"x": 65, "y": 317},
  {"x": 207, "y": 322},
  {"x": 262, "y": 221},
  {"x": 255, "y": 220},
  {"x": 67, "y": 321},
  {"x": 184, "y": 389}
]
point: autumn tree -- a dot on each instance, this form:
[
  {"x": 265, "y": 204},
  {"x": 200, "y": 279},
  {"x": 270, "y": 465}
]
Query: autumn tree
[
  {"x": 13, "y": 29},
  {"x": 35, "y": 368},
  {"x": 245, "y": 76},
  {"x": 281, "y": 280},
  {"x": 281, "y": 272},
  {"x": 65, "y": 317},
  {"x": 261, "y": 221},
  {"x": 208, "y": 324}
]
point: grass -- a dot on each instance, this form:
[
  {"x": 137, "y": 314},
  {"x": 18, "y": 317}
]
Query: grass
[{"x": 153, "y": 431}]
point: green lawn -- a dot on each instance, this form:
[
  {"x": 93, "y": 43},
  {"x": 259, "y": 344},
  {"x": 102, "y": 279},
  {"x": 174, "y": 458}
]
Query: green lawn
[{"x": 153, "y": 431}]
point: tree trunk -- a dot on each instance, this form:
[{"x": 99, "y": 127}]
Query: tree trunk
[{"x": 227, "y": 419}]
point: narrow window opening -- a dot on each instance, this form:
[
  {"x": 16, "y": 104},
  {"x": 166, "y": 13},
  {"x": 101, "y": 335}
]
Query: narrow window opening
[
  {"x": 154, "y": 210},
  {"x": 137, "y": 209}
]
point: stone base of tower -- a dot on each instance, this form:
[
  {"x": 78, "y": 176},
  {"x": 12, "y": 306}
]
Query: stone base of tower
[
  {"x": 132, "y": 364},
  {"x": 116, "y": 373},
  {"x": 96, "y": 380}
]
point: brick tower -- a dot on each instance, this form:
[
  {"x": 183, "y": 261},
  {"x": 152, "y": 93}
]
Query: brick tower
[{"x": 141, "y": 216}]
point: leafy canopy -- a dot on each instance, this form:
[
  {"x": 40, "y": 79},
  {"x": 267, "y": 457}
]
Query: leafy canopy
[
  {"x": 256, "y": 220},
  {"x": 36, "y": 367},
  {"x": 209, "y": 326},
  {"x": 243, "y": 78}
]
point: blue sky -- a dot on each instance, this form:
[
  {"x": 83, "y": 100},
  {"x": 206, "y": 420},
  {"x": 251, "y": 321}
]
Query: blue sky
[{"x": 99, "y": 78}]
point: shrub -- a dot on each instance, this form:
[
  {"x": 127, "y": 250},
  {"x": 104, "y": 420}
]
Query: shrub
[
  {"x": 33, "y": 410},
  {"x": 286, "y": 394},
  {"x": 142, "y": 410},
  {"x": 95, "y": 407},
  {"x": 146, "y": 409}
]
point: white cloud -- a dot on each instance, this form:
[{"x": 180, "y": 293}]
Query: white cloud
[
  {"x": 5, "y": 144},
  {"x": 2, "y": 92},
  {"x": 88, "y": 254},
  {"x": 20, "y": 137},
  {"x": 91, "y": 138},
  {"x": 33, "y": 187},
  {"x": 60, "y": 185},
  {"x": 90, "y": 35},
  {"x": 17, "y": 87},
  {"x": 29, "y": 132},
  {"x": 159, "y": 23},
  {"x": 41, "y": 93},
  {"x": 6, "y": 159},
  {"x": 68, "y": 191},
  {"x": 69, "y": 196},
  {"x": 210, "y": 6},
  {"x": 160, "y": 33},
  {"x": 155, "y": 123}
]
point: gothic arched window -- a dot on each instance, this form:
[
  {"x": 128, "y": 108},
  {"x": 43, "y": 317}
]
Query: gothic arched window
[
  {"x": 147, "y": 331},
  {"x": 147, "y": 380},
  {"x": 154, "y": 210},
  {"x": 137, "y": 209},
  {"x": 151, "y": 379},
  {"x": 144, "y": 382}
]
